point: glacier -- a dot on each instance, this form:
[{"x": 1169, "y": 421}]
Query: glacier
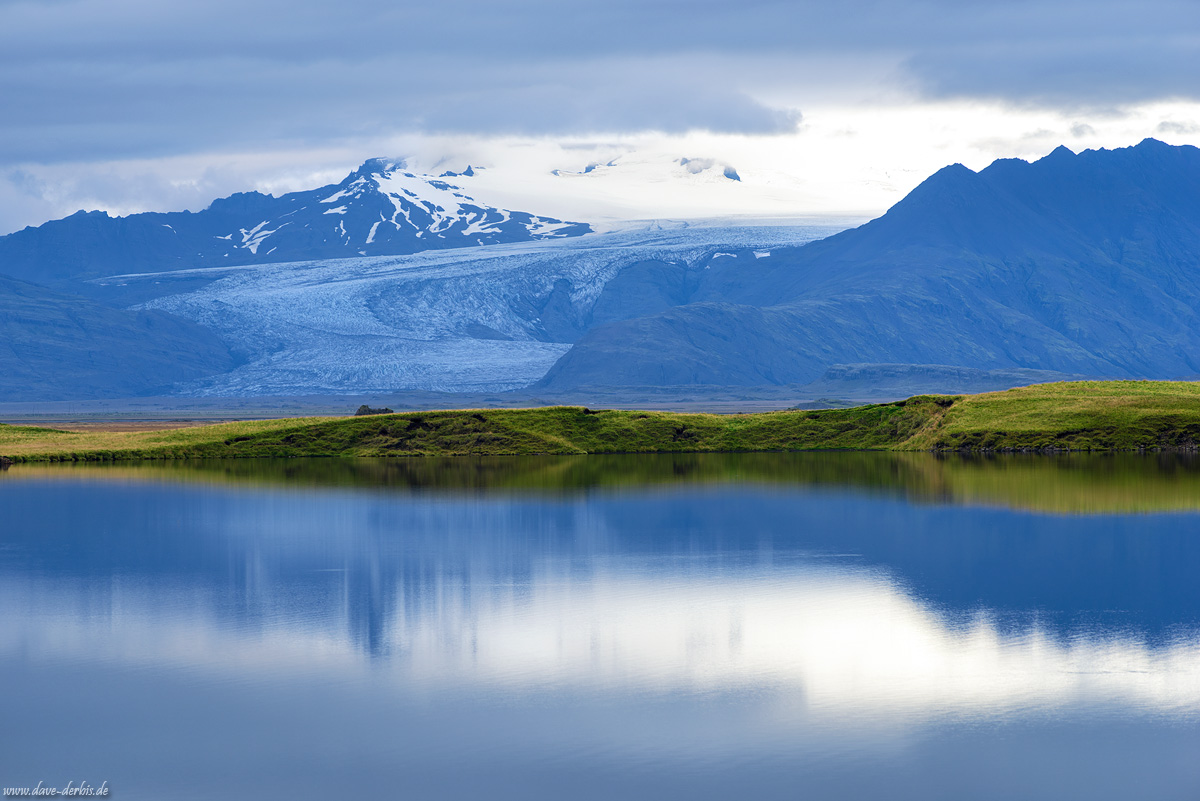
[{"x": 490, "y": 318}]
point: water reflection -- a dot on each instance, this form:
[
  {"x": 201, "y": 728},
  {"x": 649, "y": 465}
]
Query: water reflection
[
  {"x": 833, "y": 642},
  {"x": 748, "y": 625},
  {"x": 1078, "y": 483}
]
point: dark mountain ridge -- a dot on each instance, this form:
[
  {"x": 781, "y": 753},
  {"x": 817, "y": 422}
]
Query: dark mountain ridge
[{"x": 1083, "y": 264}]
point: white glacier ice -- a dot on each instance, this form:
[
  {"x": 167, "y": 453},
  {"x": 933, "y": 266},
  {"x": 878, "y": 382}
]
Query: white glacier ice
[{"x": 448, "y": 320}]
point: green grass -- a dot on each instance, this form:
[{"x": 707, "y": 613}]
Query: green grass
[
  {"x": 29, "y": 443},
  {"x": 1073, "y": 416},
  {"x": 552, "y": 430},
  {"x": 1111, "y": 415}
]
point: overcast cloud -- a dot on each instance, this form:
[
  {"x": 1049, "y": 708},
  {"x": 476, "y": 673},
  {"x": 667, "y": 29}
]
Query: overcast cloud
[{"x": 102, "y": 80}]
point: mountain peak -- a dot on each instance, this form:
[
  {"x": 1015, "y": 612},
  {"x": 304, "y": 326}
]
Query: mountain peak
[
  {"x": 952, "y": 179},
  {"x": 952, "y": 172},
  {"x": 1150, "y": 143},
  {"x": 380, "y": 209},
  {"x": 377, "y": 166},
  {"x": 251, "y": 202},
  {"x": 1059, "y": 155}
]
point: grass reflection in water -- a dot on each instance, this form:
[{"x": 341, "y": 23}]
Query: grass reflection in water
[{"x": 1063, "y": 484}]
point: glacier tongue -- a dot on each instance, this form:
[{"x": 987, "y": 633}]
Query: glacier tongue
[{"x": 471, "y": 319}]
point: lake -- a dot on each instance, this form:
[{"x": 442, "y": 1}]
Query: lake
[{"x": 816, "y": 626}]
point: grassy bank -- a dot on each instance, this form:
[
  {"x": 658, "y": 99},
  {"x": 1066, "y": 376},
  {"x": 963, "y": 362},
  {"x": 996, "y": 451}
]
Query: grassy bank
[{"x": 1111, "y": 415}]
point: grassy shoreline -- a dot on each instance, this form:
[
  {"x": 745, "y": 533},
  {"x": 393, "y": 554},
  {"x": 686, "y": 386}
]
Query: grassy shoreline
[{"x": 1074, "y": 416}]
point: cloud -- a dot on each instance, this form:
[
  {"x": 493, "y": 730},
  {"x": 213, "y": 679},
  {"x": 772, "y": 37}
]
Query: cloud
[
  {"x": 1060, "y": 53},
  {"x": 111, "y": 78},
  {"x": 1173, "y": 127},
  {"x": 1068, "y": 75},
  {"x": 90, "y": 79},
  {"x": 91, "y": 83},
  {"x": 41, "y": 192}
]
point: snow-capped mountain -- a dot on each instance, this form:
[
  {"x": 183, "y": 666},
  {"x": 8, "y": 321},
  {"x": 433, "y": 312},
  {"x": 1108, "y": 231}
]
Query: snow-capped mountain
[{"x": 380, "y": 209}]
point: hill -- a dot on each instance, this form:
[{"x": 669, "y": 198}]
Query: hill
[
  {"x": 1104, "y": 416},
  {"x": 1083, "y": 264}
]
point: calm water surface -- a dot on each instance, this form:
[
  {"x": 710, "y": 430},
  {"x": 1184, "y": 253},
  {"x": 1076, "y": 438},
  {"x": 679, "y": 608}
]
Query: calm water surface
[{"x": 816, "y": 626}]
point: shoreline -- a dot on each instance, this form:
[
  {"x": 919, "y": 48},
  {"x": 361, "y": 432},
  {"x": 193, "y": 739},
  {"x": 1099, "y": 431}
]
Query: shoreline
[{"x": 1134, "y": 416}]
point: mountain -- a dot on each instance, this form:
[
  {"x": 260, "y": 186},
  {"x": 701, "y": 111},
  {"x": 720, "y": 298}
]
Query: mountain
[
  {"x": 1077, "y": 263},
  {"x": 55, "y": 346},
  {"x": 381, "y": 208},
  {"x": 1074, "y": 265},
  {"x": 906, "y": 380}
]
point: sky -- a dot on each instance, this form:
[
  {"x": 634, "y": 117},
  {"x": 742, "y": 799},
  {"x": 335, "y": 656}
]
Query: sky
[{"x": 822, "y": 108}]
